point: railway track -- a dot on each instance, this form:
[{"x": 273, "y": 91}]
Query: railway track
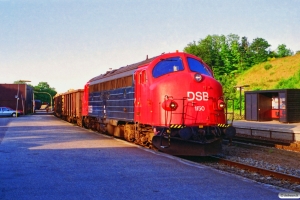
[
  {"x": 291, "y": 145},
  {"x": 251, "y": 172},
  {"x": 284, "y": 145},
  {"x": 258, "y": 162},
  {"x": 264, "y": 172}
]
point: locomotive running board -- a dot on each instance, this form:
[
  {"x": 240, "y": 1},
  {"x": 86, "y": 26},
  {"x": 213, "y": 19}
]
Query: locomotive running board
[{"x": 181, "y": 147}]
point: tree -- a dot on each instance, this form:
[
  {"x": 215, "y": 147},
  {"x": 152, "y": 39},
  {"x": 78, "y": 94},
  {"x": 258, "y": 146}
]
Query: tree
[
  {"x": 208, "y": 50},
  {"x": 282, "y": 51},
  {"x": 225, "y": 54},
  {"x": 43, "y": 91},
  {"x": 229, "y": 55},
  {"x": 192, "y": 48},
  {"x": 44, "y": 85},
  {"x": 244, "y": 50},
  {"x": 258, "y": 50},
  {"x": 234, "y": 45}
]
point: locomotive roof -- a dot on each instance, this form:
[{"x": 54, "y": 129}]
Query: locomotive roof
[{"x": 118, "y": 73}]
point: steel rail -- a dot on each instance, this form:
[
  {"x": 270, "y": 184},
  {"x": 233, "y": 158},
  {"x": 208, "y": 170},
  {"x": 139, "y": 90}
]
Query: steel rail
[{"x": 262, "y": 171}]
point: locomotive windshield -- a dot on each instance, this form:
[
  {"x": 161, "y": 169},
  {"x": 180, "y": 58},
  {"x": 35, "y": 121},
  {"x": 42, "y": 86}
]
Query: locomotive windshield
[
  {"x": 166, "y": 66},
  {"x": 197, "y": 66}
]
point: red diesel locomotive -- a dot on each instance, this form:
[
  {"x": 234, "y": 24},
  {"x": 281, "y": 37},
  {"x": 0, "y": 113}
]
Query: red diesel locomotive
[{"x": 171, "y": 102}]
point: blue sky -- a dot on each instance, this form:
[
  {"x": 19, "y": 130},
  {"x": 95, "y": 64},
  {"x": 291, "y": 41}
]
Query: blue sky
[{"x": 68, "y": 42}]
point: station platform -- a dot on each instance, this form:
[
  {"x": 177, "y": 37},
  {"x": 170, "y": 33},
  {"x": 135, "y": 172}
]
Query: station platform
[
  {"x": 43, "y": 157},
  {"x": 269, "y": 129}
]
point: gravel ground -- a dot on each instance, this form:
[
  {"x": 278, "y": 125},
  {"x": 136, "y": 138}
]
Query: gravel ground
[{"x": 264, "y": 157}]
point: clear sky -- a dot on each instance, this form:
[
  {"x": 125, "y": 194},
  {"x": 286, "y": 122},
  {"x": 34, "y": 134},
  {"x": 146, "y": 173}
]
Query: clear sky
[{"x": 68, "y": 42}]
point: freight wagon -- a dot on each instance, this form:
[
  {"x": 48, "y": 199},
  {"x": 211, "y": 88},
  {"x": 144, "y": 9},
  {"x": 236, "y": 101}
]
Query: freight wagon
[{"x": 68, "y": 106}]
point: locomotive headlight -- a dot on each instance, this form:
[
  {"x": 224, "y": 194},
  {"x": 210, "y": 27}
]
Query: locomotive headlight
[
  {"x": 221, "y": 104},
  {"x": 198, "y": 77},
  {"x": 169, "y": 105},
  {"x": 173, "y": 105}
]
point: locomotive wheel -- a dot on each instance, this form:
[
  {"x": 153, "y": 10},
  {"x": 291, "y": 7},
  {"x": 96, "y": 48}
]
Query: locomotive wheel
[
  {"x": 98, "y": 128},
  {"x": 119, "y": 132},
  {"x": 79, "y": 122},
  {"x": 110, "y": 129},
  {"x": 126, "y": 134}
]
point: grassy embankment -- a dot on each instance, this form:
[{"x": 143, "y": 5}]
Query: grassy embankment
[
  {"x": 267, "y": 75},
  {"x": 279, "y": 73}
]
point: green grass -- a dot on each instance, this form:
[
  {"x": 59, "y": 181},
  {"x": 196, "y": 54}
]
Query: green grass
[{"x": 273, "y": 74}]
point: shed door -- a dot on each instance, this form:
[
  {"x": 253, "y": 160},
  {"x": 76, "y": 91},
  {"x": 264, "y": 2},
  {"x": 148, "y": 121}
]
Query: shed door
[
  {"x": 264, "y": 107},
  {"x": 251, "y": 107}
]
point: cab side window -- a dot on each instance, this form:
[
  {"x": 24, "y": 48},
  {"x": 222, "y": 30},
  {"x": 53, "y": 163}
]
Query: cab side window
[{"x": 166, "y": 66}]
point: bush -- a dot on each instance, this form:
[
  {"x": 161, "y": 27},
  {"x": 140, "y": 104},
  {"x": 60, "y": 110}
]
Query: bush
[
  {"x": 290, "y": 83},
  {"x": 271, "y": 59},
  {"x": 268, "y": 66}
]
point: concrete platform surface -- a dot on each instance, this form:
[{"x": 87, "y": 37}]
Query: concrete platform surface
[
  {"x": 43, "y": 157},
  {"x": 271, "y": 125},
  {"x": 269, "y": 129}
]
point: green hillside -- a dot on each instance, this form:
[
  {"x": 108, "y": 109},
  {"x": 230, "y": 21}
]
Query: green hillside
[{"x": 269, "y": 75}]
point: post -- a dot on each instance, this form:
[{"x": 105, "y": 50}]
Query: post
[
  {"x": 17, "y": 99},
  {"x": 241, "y": 101},
  {"x": 33, "y": 103},
  {"x": 240, "y": 88},
  {"x": 17, "y": 96}
]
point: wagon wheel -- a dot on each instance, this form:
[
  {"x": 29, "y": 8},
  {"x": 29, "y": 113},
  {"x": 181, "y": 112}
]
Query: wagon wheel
[{"x": 110, "y": 129}]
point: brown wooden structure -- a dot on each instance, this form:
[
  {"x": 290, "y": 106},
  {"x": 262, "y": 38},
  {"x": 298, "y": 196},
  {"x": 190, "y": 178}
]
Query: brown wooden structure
[
  {"x": 9, "y": 94},
  {"x": 266, "y": 105}
]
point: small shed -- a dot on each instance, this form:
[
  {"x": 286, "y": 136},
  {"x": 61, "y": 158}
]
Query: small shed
[
  {"x": 266, "y": 105},
  {"x": 10, "y": 92}
]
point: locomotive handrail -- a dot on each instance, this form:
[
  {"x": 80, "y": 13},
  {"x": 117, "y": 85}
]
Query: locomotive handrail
[{"x": 166, "y": 112}]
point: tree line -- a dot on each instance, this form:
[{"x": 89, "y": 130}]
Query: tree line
[
  {"x": 231, "y": 55},
  {"x": 42, "y": 91}
]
